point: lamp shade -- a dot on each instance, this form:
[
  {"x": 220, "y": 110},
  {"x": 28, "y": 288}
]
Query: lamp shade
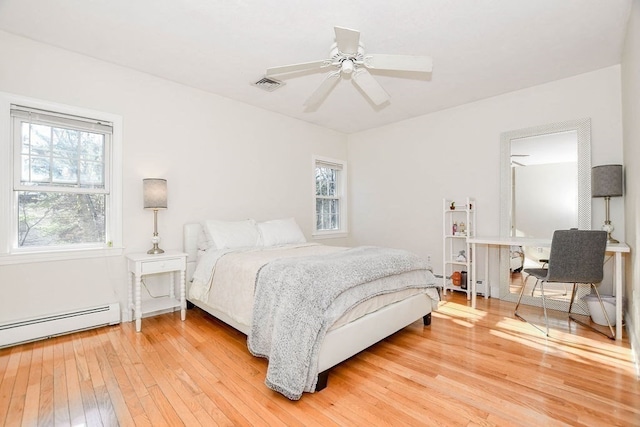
[
  {"x": 606, "y": 181},
  {"x": 154, "y": 191}
]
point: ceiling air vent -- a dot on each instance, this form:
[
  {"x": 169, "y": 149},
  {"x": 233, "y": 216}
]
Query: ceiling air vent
[{"x": 268, "y": 84}]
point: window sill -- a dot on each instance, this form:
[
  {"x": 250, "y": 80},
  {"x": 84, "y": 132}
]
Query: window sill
[
  {"x": 66, "y": 255},
  {"x": 330, "y": 235}
]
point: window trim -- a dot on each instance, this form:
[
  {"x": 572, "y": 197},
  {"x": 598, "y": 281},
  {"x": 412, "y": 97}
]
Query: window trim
[
  {"x": 343, "y": 231},
  {"x": 9, "y": 254}
]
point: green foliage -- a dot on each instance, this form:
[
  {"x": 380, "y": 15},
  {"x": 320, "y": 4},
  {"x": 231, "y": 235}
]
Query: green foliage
[{"x": 49, "y": 219}]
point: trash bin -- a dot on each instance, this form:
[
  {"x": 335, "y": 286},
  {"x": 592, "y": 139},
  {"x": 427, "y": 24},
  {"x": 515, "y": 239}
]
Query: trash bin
[{"x": 597, "y": 315}]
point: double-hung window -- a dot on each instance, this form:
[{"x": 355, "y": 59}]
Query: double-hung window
[
  {"x": 330, "y": 197},
  {"x": 61, "y": 195}
]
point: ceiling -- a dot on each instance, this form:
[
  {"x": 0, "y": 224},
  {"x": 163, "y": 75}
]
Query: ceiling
[{"x": 480, "y": 48}]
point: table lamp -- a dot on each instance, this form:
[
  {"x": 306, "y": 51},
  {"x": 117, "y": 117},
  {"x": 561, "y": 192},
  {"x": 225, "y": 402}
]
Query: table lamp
[
  {"x": 606, "y": 181},
  {"x": 154, "y": 191}
]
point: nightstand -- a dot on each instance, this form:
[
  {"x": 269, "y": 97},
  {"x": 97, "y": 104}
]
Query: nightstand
[{"x": 140, "y": 264}]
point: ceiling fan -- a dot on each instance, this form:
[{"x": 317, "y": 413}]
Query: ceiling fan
[
  {"x": 347, "y": 59},
  {"x": 513, "y": 162}
]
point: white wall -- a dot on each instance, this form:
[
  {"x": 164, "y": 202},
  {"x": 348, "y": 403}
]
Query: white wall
[
  {"x": 222, "y": 159},
  {"x": 400, "y": 173},
  {"x": 631, "y": 113}
]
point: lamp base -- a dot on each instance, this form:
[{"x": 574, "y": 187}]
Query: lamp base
[
  {"x": 608, "y": 227},
  {"x": 155, "y": 250}
]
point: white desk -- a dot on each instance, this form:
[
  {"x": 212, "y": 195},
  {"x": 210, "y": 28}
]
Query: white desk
[{"x": 616, "y": 248}]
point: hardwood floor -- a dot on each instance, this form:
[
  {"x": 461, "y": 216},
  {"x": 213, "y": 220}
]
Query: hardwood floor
[{"x": 470, "y": 367}]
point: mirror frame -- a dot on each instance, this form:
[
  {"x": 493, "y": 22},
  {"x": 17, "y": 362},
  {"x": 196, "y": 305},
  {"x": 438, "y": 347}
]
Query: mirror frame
[{"x": 583, "y": 130}]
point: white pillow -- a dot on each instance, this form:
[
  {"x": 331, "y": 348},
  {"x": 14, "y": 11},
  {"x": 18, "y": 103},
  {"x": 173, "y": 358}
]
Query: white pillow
[
  {"x": 232, "y": 234},
  {"x": 204, "y": 241},
  {"x": 281, "y": 232}
]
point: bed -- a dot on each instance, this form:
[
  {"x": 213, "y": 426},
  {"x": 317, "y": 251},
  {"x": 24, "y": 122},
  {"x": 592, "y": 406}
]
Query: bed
[{"x": 234, "y": 268}]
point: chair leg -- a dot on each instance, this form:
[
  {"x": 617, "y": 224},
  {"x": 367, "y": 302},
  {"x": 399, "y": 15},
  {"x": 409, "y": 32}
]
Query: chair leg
[
  {"x": 515, "y": 312},
  {"x": 573, "y": 297},
  {"x": 606, "y": 316},
  {"x": 544, "y": 307}
]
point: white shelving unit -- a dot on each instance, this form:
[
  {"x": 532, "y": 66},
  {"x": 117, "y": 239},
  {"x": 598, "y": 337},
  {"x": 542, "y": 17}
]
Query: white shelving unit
[{"x": 458, "y": 222}]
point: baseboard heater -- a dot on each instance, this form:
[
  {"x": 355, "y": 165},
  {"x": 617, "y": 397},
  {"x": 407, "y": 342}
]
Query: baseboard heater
[{"x": 38, "y": 328}]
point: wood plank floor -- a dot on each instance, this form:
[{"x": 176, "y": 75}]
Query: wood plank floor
[{"x": 471, "y": 367}]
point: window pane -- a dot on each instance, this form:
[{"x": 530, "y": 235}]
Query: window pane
[
  {"x": 39, "y": 139},
  {"x": 39, "y": 170},
  {"x": 50, "y": 219},
  {"x": 326, "y": 181},
  {"x": 335, "y": 222},
  {"x": 92, "y": 146},
  {"x": 92, "y": 174},
  {"x": 319, "y": 214},
  {"x": 26, "y": 142},
  {"x": 65, "y": 143},
  {"x": 64, "y": 171},
  {"x": 327, "y": 214},
  {"x": 320, "y": 182},
  {"x": 54, "y": 155}
]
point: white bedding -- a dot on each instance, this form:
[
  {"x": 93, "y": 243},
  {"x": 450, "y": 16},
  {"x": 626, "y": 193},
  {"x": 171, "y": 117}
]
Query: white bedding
[{"x": 225, "y": 280}]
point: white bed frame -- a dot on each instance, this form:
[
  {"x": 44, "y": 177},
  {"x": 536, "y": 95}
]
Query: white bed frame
[{"x": 340, "y": 343}]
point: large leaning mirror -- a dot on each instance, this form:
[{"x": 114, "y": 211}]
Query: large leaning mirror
[{"x": 545, "y": 180}]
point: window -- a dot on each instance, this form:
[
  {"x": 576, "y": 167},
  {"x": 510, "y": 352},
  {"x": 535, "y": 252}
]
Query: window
[
  {"x": 63, "y": 188},
  {"x": 330, "y": 197}
]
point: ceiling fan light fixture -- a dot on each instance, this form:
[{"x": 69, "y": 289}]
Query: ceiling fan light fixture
[{"x": 347, "y": 66}]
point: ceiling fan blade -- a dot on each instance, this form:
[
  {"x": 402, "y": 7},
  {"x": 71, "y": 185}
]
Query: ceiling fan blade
[
  {"x": 347, "y": 40},
  {"x": 323, "y": 90},
  {"x": 370, "y": 86},
  {"x": 304, "y": 66},
  {"x": 399, "y": 62}
]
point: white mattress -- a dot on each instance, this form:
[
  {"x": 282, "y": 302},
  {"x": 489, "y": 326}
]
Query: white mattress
[{"x": 231, "y": 285}]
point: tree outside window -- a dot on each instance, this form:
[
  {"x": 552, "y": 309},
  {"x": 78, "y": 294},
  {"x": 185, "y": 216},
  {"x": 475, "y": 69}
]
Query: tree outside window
[
  {"x": 330, "y": 200},
  {"x": 61, "y": 180}
]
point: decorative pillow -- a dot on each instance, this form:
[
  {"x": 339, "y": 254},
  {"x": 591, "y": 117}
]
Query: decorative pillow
[
  {"x": 232, "y": 234},
  {"x": 281, "y": 232}
]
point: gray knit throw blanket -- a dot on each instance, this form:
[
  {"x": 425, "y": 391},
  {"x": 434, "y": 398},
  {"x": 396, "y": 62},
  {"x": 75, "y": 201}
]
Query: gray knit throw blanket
[{"x": 297, "y": 300}]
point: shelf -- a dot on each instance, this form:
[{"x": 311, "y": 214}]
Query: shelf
[
  {"x": 458, "y": 226},
  {"x": 157, "y": 304},
  {"x": 457, "y": 288},
  {"x": 463, "y": 263}
]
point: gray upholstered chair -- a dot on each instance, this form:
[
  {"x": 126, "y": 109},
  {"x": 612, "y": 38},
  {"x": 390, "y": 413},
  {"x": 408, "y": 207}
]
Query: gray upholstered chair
[
  {"x": 544, "y": 262},
  {"x": 577, "y": 257}
]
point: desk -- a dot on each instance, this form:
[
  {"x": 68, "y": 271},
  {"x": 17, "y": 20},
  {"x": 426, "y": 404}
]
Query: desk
[{"x": 616, "y": 248}]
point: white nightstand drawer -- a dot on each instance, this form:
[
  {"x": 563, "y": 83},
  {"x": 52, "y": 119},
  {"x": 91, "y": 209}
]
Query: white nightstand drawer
[{"x": 159, "y": 266}]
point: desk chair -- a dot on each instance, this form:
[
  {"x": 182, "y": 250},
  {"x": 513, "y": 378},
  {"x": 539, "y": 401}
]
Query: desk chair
[
  {"x": 577, "y": 257},
  {"x": 545, "y": 263}
]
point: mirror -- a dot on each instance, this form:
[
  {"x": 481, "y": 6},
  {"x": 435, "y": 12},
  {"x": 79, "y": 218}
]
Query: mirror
[{"x": 545, "y": 180}]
